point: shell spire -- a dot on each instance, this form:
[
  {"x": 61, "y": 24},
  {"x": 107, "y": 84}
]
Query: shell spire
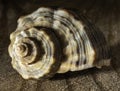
[{"x": 50, "y": 41}]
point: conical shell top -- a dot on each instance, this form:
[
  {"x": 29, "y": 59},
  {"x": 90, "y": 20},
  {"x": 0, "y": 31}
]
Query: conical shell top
[{"x": 50, "y": 41}]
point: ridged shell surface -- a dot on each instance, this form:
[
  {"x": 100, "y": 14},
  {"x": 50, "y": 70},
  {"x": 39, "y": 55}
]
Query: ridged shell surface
[{"x": 50, "y": 41}]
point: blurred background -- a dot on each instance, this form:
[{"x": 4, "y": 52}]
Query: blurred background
[{"x": 105, "y": 14}]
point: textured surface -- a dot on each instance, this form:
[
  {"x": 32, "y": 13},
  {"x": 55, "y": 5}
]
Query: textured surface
[{"x": 105, "y": 14}]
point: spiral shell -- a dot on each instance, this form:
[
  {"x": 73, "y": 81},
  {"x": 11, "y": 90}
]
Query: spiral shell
[{"x": 50, "y": 41}]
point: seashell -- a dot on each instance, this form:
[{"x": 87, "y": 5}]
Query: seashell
[{"x": 50, "y": 41}]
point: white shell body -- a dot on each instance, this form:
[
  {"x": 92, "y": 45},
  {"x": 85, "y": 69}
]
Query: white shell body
[{"x": 50, "y": 41}]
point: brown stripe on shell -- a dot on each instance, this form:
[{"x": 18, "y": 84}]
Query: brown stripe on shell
[{"x": 98, "y": 41}]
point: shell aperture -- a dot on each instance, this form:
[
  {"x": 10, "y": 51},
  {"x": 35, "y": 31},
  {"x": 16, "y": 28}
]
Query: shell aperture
[{"x": 50, "y": 41}]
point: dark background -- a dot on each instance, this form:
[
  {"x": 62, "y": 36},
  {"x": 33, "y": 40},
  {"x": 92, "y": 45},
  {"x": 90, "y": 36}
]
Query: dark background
[{"x": 105, "y": 14}]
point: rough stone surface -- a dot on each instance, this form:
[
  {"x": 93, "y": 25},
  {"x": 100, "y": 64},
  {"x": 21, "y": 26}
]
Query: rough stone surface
[{"x": 105, "y": 14}]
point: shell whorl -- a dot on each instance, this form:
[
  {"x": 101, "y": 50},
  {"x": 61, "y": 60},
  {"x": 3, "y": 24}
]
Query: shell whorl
[
  {"x": 33, "y": 52},
  {"x": 50, "y": 41}
]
